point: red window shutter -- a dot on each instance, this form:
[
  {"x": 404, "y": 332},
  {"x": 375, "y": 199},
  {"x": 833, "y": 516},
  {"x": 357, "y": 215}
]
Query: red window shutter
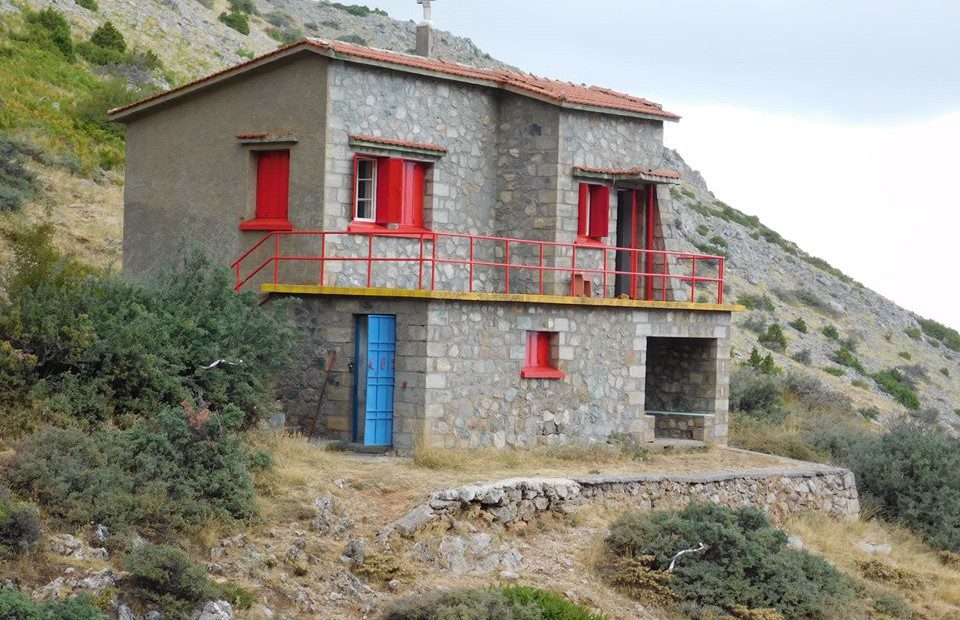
[
  {"x": 538, "y": 349},
  {"x": 599, "y": 211},
  {"x": 584, "y": 208},
  {"x": 273, "y": 184},
  {"x": 390, "y": 190},
  {"x": 414, "y": 174}
]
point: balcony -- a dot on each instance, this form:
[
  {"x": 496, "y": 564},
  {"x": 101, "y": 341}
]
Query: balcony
[{"x": 435, "y": 264}]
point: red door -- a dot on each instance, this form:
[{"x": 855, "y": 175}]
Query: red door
[
  {"x": 273, "y": 184},
  {"x": 636, "y": 212}
]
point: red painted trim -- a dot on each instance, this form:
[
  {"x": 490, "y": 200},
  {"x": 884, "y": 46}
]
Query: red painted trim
[
  {"x": 423, "y": 146},
  {"x": 651, "y": 206},
  {"x": 538, "y": 358},
  {"x": 541, "y": 373},
  {"x": 599, "y": 211},
  {"x": 588, "y": 241},
  {"x": 266, "y": 223},
  {"x": 583, "y": 211}
]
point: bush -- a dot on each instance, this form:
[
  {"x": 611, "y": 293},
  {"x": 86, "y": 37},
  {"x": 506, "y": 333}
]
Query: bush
[
  {"x": 358, "y": 9},
  {"x": 845, "y": 357},
  {"x": 905, "y": 355},
  {"x": 751, "y": 301},
  {"x": 175, "y": 472},
  {"x": 92, "y": 109},
  {"x": 913, "y": 333},
  {"x": 830, "y": 331},
  {"x": 763, "y": 364},
  {"x": 14, "y": 605},
  {"x": 756, "y": 394},
  {"x": 940, "y": 332},
  {"x": 20, "y": 530},
  {"x": 90, "y": 5},
  {"x": 799, "y": 324},
  {"x": 802, "y": 356},
  {"x": 238, "y": 21},
  {"x": 511, "y": 603},
  {"x": 165, "y": 577},
  {"x": 94, "y": 54},
  {"x": 96, "y": 347},
  {"x": 773, "y": 338},
  {"x": 836, "y": 372},
  {"x": 703, "y": 230},
  {"x": 892, "y": 606},
  {"x": 286, "y": 36},
  {"x": 108, "y": 37},
  {"x": 243, "y": 6},
  {"x": 50, "y": 25},
  {"x": 913, "y": 474},
  {"x": 17, "y": 183},
  {"x": 894, "y": 383},
  {"x": 746, "y": 561}
]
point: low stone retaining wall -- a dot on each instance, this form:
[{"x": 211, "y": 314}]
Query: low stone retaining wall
[{"x": 777, "y": 491}]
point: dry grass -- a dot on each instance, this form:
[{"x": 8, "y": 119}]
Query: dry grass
[{"x": 917, "y": 572}]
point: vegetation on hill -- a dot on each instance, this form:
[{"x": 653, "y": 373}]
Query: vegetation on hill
[{"x": 509, "y": 603}]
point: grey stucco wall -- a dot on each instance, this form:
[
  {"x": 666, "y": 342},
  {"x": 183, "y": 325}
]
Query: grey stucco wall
[{"x": 189, "y": 179}]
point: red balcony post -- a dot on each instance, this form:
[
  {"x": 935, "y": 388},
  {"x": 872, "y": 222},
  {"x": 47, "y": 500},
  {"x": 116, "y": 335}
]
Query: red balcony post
[
  {"x": 433, "y": 265},
  {"x": 693, "y": 279},
  {"x": 573, "y": 273},
  {"x": 540, "y": 270},
  {"x": 506, "y": 262},
  {"x": 276, "y": 259},
  {"x": 369, "y": 260},
  {"x": 720, "y": 283},
  {"x": 471, "y": 264},
  {"x": 663, "y": 280},
  {"x": 420, "y": 262},
  {"x": 323, "y": 257},
  {"x": 603, "y": 293}
]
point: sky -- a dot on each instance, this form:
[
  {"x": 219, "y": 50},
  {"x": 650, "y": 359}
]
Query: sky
[{"x": 836, "y": 122}]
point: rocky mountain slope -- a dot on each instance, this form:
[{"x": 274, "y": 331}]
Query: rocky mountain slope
[{"x": 855, "y": 340}]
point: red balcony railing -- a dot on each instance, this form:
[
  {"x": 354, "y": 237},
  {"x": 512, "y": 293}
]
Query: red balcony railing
[{"x": 475, "y": 263}]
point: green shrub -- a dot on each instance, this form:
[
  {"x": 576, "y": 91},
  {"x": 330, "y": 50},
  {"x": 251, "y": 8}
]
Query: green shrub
[
  {"x": 845, "y": 357},
  {"x": 165, "y": 576},
  {"x": 235, "y": 594},
  {"x": 703, "y": 230},
  {"x": 101, "y": 56},
  {"x": 718, "y": 241},
  {"x": 108, "y": 37},
  {"x": 893, "y": 383},
  {"x": 174, "y": 472},
  {"x": 802, "y": 356},
  {"x": 763, "y": 364},
  {"x": 286, "y": 36},
  {"x": 940, "y": 332},
  {"x": 913, "y": 474},
  {"x": 14, "y": 605},
  {"x": 90, "y": 5},
  {"x": 746, "y": 561},
  {"x": 859, "y": 383},
  {"x": 830, "y": 331},
  {"x": 799, "y": 324},
  {"x": 50, "y": 25},
  {"x": 20, "y": 530},
  {"x": 92, "y": 109},
  {"x": 836, "y": 372},
  {"x": 809, "y": 298},
  {"x": 238, "y": 21},
  {"x": 913, "y": 333},
  {"x": 511, "y": 603},
  {"x": 358, "y": 9},
  {"x": 107, "y": 348},
  {"x": 353, "y": 38},
  {"x": 905, "y": 355},
  {"x": 17, "y": 183},
  {"x": 756, "y": 394},
  {"x": 945, "y": 371},
  {"x": 751, "y": 301},
  {"x": 773, "y": 338},
  {"x": 892, "y": 606},
  {"x": 243, "y": 6}
]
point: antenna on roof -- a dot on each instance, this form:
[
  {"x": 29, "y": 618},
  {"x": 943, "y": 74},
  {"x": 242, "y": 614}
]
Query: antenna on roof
[{"x": 425, "y": 30}]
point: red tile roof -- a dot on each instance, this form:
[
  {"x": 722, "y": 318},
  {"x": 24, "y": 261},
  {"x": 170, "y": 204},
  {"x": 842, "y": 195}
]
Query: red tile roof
[
  {"x": 662, "y": 173},
  {"x": 423, "y": 146},
  {"x": 553, "y": 91}
]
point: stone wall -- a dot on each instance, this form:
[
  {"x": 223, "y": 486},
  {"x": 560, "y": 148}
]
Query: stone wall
[
  {"x": 681, "y": 377},
  {"x": 458, "y": 370},
  {"x": 776, "y": 491}
]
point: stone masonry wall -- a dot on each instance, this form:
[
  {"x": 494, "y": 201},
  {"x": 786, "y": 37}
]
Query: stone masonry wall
[
  {"x": 681, "y": 377},
  {"x": 476, "y": 397},
  {"x": 776, "y": 491}
]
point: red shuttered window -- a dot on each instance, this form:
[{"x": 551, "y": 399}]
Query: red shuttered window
[
  {"x": 389, "y": 192},
  {"x": 273, "y": 192},
  {"x": 541, "y": 356},
  {"x": 593, "y": 222}
]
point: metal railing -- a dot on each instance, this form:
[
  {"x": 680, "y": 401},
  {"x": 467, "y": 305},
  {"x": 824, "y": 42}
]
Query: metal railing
[{"x": 539, "y": 264}]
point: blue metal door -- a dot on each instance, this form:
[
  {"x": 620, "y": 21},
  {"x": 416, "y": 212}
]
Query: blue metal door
[{"x": 381, "y": 351}]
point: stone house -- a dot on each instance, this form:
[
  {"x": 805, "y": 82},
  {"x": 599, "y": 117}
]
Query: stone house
[{"x": 483, "y": 258}]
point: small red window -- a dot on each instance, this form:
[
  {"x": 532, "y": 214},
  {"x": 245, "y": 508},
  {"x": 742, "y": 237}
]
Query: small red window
[
  {"x": 273, "y": 192},
  {"x": 594, "y": 212},
  {"x": 541, "y": 356},
  {"x": 389, "y": 191}
]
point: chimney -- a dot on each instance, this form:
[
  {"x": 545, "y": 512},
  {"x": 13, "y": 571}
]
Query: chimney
[{"x": 425, "y": 34}]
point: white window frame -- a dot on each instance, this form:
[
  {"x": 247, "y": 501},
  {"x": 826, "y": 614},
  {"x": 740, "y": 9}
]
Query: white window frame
[{"x": 372, "y": 199}]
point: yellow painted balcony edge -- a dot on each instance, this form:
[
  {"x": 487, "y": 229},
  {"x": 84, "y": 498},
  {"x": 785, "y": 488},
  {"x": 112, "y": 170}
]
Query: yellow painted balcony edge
[{"x": 310, "y": 289}]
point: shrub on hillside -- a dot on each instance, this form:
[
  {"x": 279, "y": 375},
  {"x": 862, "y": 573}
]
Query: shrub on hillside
[
  {"x": 913, "y": 474},
  {"x": 763, "y": 364},
  {"x": 895, "y": 384},
  {"x": 846, "y": 357},
  {"x": 108, "y": 37},
  {"x": 17, "y": 183},
  {"x": 358, "y": 10},
  {"x": 15, "y": 605},
  {"x": 756, "y": 394},
  {"x": 20, "y": 530},
  {"x": 92, "y": 109},
  {"x": 773, "y": 338},
  {"x": 243, "y": 6},
  {"x": 50, "y": 26},
  {"x": 830, "y": 331},
  {"x": 940, "y": 332},
  {"x": 98, "y": 347},
  {"x": 510, "y": 603},
  {"x": 745, "y": 563},
  {"x": 799, "y": 324},
  {"x": 174, "y": 472},
  {"x": 165, "y": 576},
  {"x": 236, "y": 20},
  {"x": 90, "y": 5}
]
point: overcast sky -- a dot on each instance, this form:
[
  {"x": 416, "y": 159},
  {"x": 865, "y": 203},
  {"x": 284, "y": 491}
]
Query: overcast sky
[{"x": 837, "y": 123}]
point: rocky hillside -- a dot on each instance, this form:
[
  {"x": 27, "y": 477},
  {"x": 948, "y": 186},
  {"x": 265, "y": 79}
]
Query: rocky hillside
[{"x": 879, "y": 354}]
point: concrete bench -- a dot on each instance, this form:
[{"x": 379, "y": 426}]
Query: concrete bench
[{"x": 689, "y": 414}]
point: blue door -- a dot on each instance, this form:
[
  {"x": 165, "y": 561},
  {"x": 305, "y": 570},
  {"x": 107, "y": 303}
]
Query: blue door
[{"x": 377, "y": 390}]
